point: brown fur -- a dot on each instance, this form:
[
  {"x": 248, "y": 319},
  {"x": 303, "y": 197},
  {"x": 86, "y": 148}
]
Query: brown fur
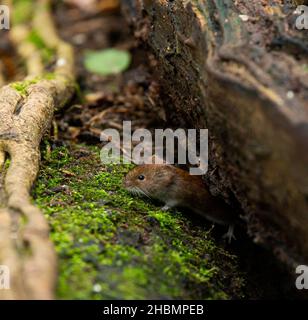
[{"x": 177, "y": 188}]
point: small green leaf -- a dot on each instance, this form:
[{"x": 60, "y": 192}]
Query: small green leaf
[{"x": 108, "y": 61}]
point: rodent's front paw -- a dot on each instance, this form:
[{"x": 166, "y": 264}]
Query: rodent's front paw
[
  {"x": 165, "y": 208},
  {"x": 230, "y": 234}
]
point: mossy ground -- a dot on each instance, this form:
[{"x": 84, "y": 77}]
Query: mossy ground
[{"x": 114, "y": 246}]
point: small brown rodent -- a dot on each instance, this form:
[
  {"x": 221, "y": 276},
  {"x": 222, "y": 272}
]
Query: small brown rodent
[{"x": 177, "y": 188}]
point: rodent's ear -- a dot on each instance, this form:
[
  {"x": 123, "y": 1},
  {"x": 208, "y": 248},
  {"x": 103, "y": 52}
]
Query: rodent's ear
[
  {"x": 170, "y": 167},
  {"x": 167, "y": 169}
]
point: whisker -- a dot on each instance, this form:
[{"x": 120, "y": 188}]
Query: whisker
[
  {"x": 143, "y": 192},
  {"x": 139, "y": 192}
]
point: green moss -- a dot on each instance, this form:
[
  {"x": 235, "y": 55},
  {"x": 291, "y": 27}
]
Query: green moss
[
  {"x": 22, "y": 11},
  {"x": 22, "y": 86},
  {"x": 35, "y": 39},
  {"x": 112, "y": 245},
  {"x": 46, "y": 53},
  {"x": 49, "y": 76},
  {"x": 305, "y": 67}
]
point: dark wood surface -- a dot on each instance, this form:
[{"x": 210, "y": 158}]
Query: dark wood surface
[{"x": 247, "y": 82}]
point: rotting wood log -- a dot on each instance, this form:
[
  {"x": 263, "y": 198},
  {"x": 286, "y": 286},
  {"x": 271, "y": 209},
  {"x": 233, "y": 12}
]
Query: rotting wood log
[{"x": 240, "y": 69}]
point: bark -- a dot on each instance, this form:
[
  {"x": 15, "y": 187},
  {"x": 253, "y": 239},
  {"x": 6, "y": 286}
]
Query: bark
[
  {"x": 26, "y": 111},
  {"x": 239, "y": 68}
]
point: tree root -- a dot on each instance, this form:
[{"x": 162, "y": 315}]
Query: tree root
[
  {"x": 26, "y": 112},
  {"x": 2, "y": 80}
]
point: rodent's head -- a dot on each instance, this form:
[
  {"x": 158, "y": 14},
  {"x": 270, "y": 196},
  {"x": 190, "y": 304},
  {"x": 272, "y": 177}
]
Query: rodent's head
[{"x": 150, "y": 180}]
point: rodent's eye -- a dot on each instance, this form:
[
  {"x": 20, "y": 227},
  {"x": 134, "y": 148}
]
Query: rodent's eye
[{"x": 141, "y": 177}]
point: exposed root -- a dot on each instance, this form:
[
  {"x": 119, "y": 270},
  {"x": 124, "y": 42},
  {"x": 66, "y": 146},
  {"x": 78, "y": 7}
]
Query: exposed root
[
  {"x": 26, "y": 112},
  {"x": 27, "y": 50},
  {"x": 2, "y": 80}
]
